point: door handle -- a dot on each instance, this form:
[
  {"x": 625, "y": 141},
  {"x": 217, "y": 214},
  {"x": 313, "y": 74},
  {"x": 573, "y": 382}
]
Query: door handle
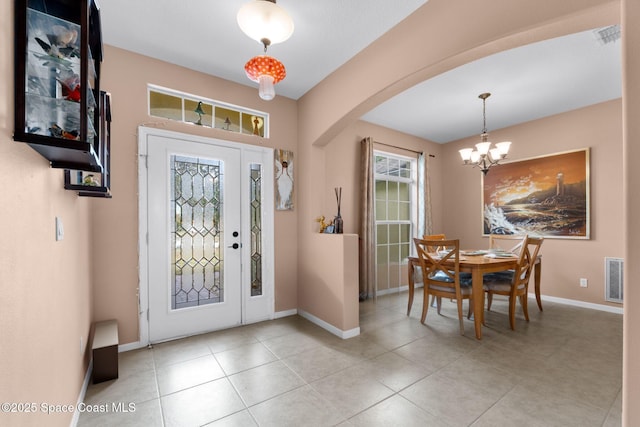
[{"x": 234, "y": 246}]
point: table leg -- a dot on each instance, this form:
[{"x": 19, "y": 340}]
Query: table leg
[
  {"x": 537, "y": 271},
  {"x": 411, "y": 285},
  {"x": 478, "y": 302}
]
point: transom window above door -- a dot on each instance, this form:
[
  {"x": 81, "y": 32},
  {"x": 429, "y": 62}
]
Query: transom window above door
[{"x": 188, "y": 108}]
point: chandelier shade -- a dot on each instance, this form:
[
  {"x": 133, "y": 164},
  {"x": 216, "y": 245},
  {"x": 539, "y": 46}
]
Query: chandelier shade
[
  {"x": 483, "y": 156},
  {"x": 266, "y": 71},
  {"x": 265, "y": 22}
]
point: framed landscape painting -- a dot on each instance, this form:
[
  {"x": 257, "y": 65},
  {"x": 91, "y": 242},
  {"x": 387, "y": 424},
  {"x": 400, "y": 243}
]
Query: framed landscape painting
[{"x": 544, "y": 196}]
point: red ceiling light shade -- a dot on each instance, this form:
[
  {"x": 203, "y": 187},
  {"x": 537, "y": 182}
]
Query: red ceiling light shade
[{"x": 267, "y": 71}]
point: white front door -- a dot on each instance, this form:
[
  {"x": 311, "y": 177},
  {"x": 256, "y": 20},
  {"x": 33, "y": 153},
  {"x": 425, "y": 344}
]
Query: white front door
[{"x": 199, "y": 196}]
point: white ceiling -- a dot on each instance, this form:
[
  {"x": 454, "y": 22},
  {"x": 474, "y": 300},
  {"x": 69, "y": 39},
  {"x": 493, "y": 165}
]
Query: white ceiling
[{"x": 527, "y": 83}]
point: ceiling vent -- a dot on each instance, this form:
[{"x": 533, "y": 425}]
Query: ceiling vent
[{"x": 608, "y": 34}]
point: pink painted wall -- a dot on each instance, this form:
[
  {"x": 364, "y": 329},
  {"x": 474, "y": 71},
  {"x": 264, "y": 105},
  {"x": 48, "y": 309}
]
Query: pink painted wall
[
  {"x": 45, "y": 285},
  {"x": 331, "y": 292},
  {"x": 631, "y": 151},
  {"x": 415, "y": 50},
  {"x": 115, "y": 256},
  {"x": 599, "y": 128},
  {"x": 337, "y": 165},
  {"x": 404, "y": 56},
  {"x": 41, "y": 329}
]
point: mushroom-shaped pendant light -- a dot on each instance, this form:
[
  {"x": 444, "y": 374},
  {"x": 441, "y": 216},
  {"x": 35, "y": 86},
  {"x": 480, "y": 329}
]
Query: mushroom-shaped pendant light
[
  {"x": 266, "y": 71},
  {"x": 267, "y": 23}
]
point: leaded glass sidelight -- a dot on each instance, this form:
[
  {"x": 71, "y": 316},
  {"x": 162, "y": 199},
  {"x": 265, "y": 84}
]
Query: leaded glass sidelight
[
  {"x": 256, "y": 229},
  {"x": 196, "y": 232}
]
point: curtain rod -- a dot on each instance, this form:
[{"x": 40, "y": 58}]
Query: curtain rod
[{"x": 402, "y": 148}]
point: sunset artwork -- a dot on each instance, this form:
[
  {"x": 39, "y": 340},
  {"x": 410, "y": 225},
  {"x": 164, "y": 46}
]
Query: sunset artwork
[{"x": 544, "y": 196}]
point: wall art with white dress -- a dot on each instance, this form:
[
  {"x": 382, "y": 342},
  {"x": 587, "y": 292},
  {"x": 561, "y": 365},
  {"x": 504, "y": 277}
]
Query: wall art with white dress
[{"x": 284, "y": 179}]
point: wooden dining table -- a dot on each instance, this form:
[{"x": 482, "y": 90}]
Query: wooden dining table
[{"x": 478, "y": 265}]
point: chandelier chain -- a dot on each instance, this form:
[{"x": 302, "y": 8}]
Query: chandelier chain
[{"x": 484, "y": 115}]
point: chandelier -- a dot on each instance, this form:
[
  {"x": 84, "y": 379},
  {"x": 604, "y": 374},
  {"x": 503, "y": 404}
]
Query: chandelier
[
  {"x": 267, "y": 23},
  {"x": 483, "y": 156}
]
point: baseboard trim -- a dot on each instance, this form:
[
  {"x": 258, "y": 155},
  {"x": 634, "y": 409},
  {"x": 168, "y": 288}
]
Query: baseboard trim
[
  {"x": 583, "y": 304},
  {"x": 83, "y": 392},
  {"x": 356, "y": 331},
  {"x": 285, "y": 313},
  {"x": 329, "y": 327}
]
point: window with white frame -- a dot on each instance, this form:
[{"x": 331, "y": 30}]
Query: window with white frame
[{"x": 395, "y": 218}]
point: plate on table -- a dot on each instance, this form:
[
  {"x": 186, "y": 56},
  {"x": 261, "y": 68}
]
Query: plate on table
[
  {"x": 474, "y": 253},
  {"x": 438, "y": 256},
  {"x": 501, "y": 255}
]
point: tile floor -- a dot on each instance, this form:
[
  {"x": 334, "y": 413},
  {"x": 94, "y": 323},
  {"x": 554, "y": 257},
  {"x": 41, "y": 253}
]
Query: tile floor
[{"x": 563, "y": 368}]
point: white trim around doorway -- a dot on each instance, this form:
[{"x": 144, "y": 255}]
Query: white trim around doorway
[{"x": 250, "y": 154}]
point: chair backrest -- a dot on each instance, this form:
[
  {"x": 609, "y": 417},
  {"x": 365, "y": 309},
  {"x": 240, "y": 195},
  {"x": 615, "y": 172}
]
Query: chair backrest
[
  {"x": 433, "y": 262},
  {"x": 434, "y": 237},
  {"x": 533, "y": 248},
  {"x": 528, "y": 255},
  {"x": 507, "y": 242}
]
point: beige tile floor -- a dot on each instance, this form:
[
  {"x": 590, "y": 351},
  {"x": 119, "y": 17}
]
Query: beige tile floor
[{"x": 563, "y": 368}]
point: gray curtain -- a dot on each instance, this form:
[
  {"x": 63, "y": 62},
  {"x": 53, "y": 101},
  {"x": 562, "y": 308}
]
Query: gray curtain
[
  {"x": 425, "y": 221},
  {"x": 367, "y": 214}
]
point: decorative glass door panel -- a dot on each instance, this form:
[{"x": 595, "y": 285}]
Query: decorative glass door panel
[
  {"x": 255, "y": 202},
  {"x": 197, "y": 235},
  {"x": 195, "y": 241}
]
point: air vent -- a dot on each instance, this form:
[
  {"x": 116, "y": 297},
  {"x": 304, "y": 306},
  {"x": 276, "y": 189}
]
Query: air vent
[
  {"x": 613, "y": 274},
  {"x": 608, "y": 34}
]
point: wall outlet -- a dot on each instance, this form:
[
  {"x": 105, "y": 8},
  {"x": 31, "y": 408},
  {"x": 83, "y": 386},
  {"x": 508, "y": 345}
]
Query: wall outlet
[{"x": 583, "y": 283}]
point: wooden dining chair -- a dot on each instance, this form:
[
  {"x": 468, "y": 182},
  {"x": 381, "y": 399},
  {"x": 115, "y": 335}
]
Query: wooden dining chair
[
  {"x": 414, "y": 272},
  {"x": 514, "y": 284},
  {"x": 441, "y": 236},
  {"x": 441, "y": 275},
  {"x": 511, "y": 243},
  {"x": 506, "y": 242},
  {"x": 434, "y": 237}
]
